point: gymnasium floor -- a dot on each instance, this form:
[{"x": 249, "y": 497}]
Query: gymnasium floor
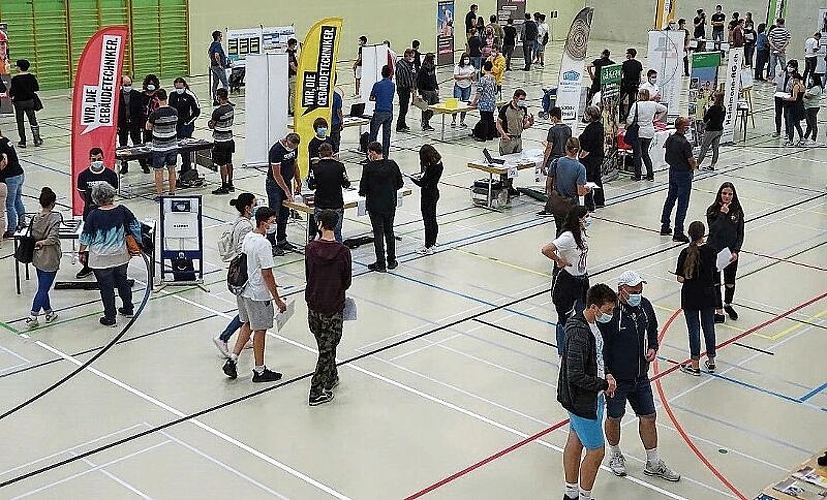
[{"x": 450, "y": 366}]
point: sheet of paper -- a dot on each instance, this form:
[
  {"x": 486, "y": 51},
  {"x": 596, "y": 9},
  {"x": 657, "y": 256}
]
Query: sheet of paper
[
  {"x": 349, "y": 314},
  {"x": 592, "y": 185},
  {"x": 399, "y": 199},
  {"x": 723, "y": 259},
  {"x": 782, "y": 95},
  {"x": 538, "y": 175},
  {"x": 283, "y": 317},
  {"x": 513, "y": 172},
  {"x": 361, "y": 207}
]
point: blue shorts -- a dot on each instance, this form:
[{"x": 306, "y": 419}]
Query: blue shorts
[
  {"x": 637, "y": 392},
  {"x": 590, "y": 432},
  {"x": 164, "y": 159},
  {"x": 461, "y": 93}
]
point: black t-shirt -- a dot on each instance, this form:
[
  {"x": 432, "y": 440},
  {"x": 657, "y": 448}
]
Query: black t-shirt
[
  {"x": 87, "y": 180},
  {"x": 592, "y": 139},
  {"x": 509, "y": 36},
  {"x": 475, "y": 46},
  {"x": 13, "y": 167},
  {"x": 678, "y": 153},
  {"x": 714, "y": 118},
  {"x": 716, "y": 18},
  {"x": 280, "y": 154},
  {"x": 470, "y": 20},
  {"x": 315, "y": 144},
  {"x": 699, "y": 32},
  {"x": 291, "y": 59},
  {"x": 530, "y": 31},
  {"x": 698, "y": 291},
  {"x": 631, "y": 69},
  {"x": 328, "y": 177},
  {"x": 598, "y": 64}
]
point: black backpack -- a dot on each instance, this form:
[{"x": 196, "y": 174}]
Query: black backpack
[{"x": 237, "y": 274}]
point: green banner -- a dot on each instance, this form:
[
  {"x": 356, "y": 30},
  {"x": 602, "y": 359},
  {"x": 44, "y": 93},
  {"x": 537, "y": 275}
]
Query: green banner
[
  {"x": 776, "y": 9},
  {"x": 611, "y": 74},
  {"x": 706, "y": 59}
]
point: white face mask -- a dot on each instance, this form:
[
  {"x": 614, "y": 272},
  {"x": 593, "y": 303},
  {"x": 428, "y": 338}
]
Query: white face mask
[
  {"x": 150, "y": 87},
  {"x": 653, "y": 81},
  {"x": 180, "y": 91},
  {"x": 127, "y": 88},
  {"x": 466, "y": 61},
  {"x": 97, "y": 165}
]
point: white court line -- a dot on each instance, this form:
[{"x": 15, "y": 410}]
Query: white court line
[
  {"x": 196, "y": 422},
  {"x": 221, "y": 464},
  {"x": 69, "y": 450},
  {"x": 21, "y": 358},
  {"x": 430, "y": 344},
  {"x": 93, "y": 469},
  {"x": 114, "y": 478}
]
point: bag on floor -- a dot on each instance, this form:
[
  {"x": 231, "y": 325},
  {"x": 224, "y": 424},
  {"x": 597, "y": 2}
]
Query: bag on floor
[
  {"x": 189, "y": 179},
  {"x": 237, "y": 274},
  {"x": 364, "y": 140}
]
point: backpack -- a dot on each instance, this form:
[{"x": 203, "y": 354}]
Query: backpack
[
  {"x": 364, "y": 140},
  {"x": 189, "y": 179},
  {"x": 226, "y": 246},
  {"x": 237, "y": 274},
  {"x": 545, "y": 38}
]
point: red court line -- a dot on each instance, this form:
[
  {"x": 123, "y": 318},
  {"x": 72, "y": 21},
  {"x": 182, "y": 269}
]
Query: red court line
[{"x": 561, "y": 423}]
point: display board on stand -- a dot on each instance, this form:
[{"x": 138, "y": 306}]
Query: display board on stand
[
  {"x": 732, "y": 90},
  {"x": 510, "y": 9},
  {"x": 445, "y": 32},
  {"x": 703, "y": 81},
  {"x": 609, "y": 100},
  {"x": 181, "y": 241},
  {"x": 244, "y": 42},
  {"x": 666, "y": 56},
  {"x": 373, "y": 58},
  {"x": 267, "y": 85},
  {"x": 570, "y": 79}
]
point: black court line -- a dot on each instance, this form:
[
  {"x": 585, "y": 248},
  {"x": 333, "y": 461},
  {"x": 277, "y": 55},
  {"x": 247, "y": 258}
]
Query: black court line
[
  {"x": 784, "y": 260},
  {"x": 754, "y": 348},
  {"x": 513, "y": 332},
  {"x": 791, "y": 318}
]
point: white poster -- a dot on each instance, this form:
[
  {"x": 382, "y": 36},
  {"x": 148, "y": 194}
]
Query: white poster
[
  {"x": 731, "y": 90},
  {"x": 821, "y": 26},
  {"x": 666, "y": 57},
  {"x": 274, "y": 39},
  {"x": 373, "y": 58},
  {"x": 253, "y": 41},
  {"x": 266, "y": 82},
  {"x": 570, "y": 79}
]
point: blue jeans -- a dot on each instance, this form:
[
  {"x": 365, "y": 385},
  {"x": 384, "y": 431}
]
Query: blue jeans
[
  {"x": 476, "y": 62},
  {"x": 41, "y": 298},
  {"x": 219, "y": 74},
  {"x": 108, "y": 280},
  {"x": 15, "y": 210},
  {"x": 695, "y": 321},
  {"x": 337, "y": 231},
  {"x": 791, "y": 122},
  {"x": 776, "y": 59},
  {"x": 276, "y": 198},
  {"x": 680, "y": 187},
  {"x": 382, "y": 119},
  {"x": 233, "y": 327}
]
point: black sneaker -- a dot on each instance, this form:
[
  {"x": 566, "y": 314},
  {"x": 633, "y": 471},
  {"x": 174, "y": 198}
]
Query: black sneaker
[
  {"x": 231, "y": 188},
  {"x": 393, "y": 264},
  {"x": 719, "y": 318},
  {"x": 687, "y": 368},
  {"x": 277, "y": 252},
  {"x": 731, "y": 312},
  {"x": 126, "y": 313},
  {"x": 286, "y": 245},
  {"x": 513, "y": 192},
  {"x": 335, "y": 385},
  {"x": 636, "y": 178},
  {"x": 145, "y": 169},
  {"x": 374, "y": 267},
  {"x": 428, "y": 128},
  {"x": 680, "y": 238},
  {"x": 266, "y": 376},
  {"x": 21, "y": 144},
  {"x": 108, "y": 321},
  {"x": 666, "y": 231},
  {"x": 84, "y": 273},
  {"x": 543, "y": 213},
  {"x": 650, "y": 178},
  {"x": 321, "y": 399},
  {"x": 221, "y": 190},
  {"x": 230, "y": 369},
  {"x": 710, "y": 366}
]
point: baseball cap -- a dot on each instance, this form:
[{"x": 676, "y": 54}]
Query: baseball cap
[{"x": 630, "y": 278}]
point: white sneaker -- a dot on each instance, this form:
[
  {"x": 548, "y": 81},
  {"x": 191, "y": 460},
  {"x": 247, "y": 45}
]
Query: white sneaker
[
  {"x": 618, "y": 464},
  {"x": 31, "y": 321},
  {"x": 425, "y": 250},
  {"x": 661, "y": 470},
  {"x": 222, "y": 347},
  {"x": 51, "y": 316}
]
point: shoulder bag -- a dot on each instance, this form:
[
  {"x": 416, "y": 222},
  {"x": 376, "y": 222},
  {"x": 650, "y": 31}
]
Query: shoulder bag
[
  {"x": 38, "y": 104},
  {"x": 557, "y": 204},
  {"x": 132, "y": 244},
  {"x": 24, "y": 250},
  {"x": 633, "y": 131}
]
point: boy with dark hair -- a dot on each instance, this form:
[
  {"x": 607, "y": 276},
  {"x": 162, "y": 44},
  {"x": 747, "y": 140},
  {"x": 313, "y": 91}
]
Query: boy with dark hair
[
  {"x": 93, "y": 175},
  {"x": 381, "y": 179}
]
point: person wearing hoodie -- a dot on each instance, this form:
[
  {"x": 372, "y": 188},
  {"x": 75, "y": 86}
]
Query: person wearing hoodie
[
  {"x": 630, "y": 344},
  {"x": 381, "y": 179},
  {"x": 328, "y": 271},
  {"x": 46, "y": 259},
  {"x": 725, "y": 219},
  {"x": 186, "y": 104},
  {"x": 583, "y": 380}
]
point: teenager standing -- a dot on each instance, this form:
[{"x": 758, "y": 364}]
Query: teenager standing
[
  {"x": 430, "y": 162},
  {"x": 46, "y": 258},
  {"x": 726, "y": 230}
]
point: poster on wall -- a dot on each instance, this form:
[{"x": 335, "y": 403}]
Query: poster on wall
[
  {"x": 732, "y": 88},
  {"x": 570, "y": 79},
  {"x": 95, "y": 102},
  {"x": 5, "y": 70},
  {"x": 666, "y": 57},
  {"x": 510, "y": 9},
  {"x": 261, "y": 40},
  {"x": 445, "y": 32},
  {"x": 315, "y": 79},
  {"x": 274, "y": 39},
  {"x": 703, "y": 80},
  {"x": 821, "y": 27}
]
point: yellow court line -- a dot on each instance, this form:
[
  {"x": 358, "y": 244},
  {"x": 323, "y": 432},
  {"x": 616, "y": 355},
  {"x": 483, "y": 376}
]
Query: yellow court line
[
  {"x": 784, "y": 333},
  {"x": 717, "y": 325},
  {"x": 507, "y": 264}
]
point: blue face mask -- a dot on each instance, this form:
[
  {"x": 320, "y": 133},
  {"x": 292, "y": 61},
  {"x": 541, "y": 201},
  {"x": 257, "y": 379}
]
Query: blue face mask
[
  {"x": 634, "y": 299},
  {"x": 604, "y": 318},
  {"x": 321, "y": 132},
  {"x": 587, "y": 222}
]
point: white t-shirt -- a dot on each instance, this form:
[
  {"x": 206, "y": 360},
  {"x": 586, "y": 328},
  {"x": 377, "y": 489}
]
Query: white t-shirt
[
  {"x": 567, "y": 248},
  {"x": 652, "y": 88},
  {"x": 646, "y": 111},
  {"x": 811, "y": 47},
  {"x": 259, "y": 256},
  {"x": 598, "y": 340},
  {"x": 542, "y": 29},
  {"x": 466, "y": 71}
]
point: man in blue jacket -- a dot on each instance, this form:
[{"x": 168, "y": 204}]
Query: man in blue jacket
[{"x": 631, "y": 343}]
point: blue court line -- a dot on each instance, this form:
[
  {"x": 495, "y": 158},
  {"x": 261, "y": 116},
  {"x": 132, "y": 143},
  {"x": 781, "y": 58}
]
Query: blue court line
[
  {"x": 813, "y": 392},
  {"x": 768, "y": 392}
]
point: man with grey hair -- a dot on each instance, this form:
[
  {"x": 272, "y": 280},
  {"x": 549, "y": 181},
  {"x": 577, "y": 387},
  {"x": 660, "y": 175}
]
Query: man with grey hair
[{"x": 104, "y": 237}]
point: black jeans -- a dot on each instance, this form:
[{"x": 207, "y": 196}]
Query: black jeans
[
  {"x": 595, "y": 198},
  {"x": 730, "y": 272},
  {"x": 568, "y": 294},
  {"x": 27, "y": 108},
  {"x": 108, "y": 280},
  {"x": 779, "y": 113},
  {"x": 275, "y": 198},
  {"x": 508, "y": 52},
  {"x": 686, "y": 65},
  {"x": 809, "y": 67},
  {"x": 382, "y": 225},
  {"x": 185, "y": 132},
  {"x": 428, "y": 205},
  {"x": 640, "y": 150},
  {"x": 761, "y": 58},
  {"x": 336, "y": 136},
  {"x": 528, "y": 54},
  {"x": 749, "y": 51},
  {"x": 488, "y": 129},
  {"x": 404, "y": 103},
  {"x": 812, "y": 123}
]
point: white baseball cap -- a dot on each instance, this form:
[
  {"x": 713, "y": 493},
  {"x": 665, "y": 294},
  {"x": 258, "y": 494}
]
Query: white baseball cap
[{"x": 630, "y": 278}]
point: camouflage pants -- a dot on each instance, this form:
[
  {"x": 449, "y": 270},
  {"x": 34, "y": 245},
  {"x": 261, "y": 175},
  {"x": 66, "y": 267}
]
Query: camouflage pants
[{"x": 327, "y": 328}]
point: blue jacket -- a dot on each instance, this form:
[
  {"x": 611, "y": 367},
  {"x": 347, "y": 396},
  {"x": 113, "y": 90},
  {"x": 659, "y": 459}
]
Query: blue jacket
[
  {"x": 763, "y": 42},
  {"x": 626, "y": 338}
]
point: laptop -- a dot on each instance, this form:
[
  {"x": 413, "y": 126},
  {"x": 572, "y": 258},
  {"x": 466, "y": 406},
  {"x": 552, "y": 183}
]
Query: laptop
[
  {"x": 490, "y": 159},
  {"x": 357, "y": 110}
]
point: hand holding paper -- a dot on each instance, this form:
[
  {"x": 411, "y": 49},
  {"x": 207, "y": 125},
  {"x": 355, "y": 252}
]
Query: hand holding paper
[{"x": 723, "y": 259}]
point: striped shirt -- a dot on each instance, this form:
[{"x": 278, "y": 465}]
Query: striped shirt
[
  {"x": 405, "y": 75},
  {"x": 164, "y": 122},
  {"x": 222, "y": 119},
  {"x": 779, "y": 38}
]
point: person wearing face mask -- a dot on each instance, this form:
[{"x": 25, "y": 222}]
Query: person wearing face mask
[
  {"x": 131, "y": 118},
  {"x": 512, "y": 119},
  {"x": 696, "y": 274},
  {"x": 428, "y": 88},
  {"x": 381, "y": 179},
  {"x": 569, "y": 251},
  {"x": 321, "y": 137},
  {"x": 631, "y": 343},
  {"x": 45, "y": 230},
  {"x": 464, "y": 75},
  {"x": 221, "y": 124},
  {"x": 94, "y": 174},
  {"x": 283, "y": 171},
  {"x": 567, "y": 177},
  {"x": 651, "y": 84},
  {"x": 405, "y": 87},
  {"x": 382, "y": 94},
  {"x": 186, "y": 104},
  {"x": 582, "y": 385},
  {"x": 327, "y": 177},
  {"x": 150, "y": 103}
]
